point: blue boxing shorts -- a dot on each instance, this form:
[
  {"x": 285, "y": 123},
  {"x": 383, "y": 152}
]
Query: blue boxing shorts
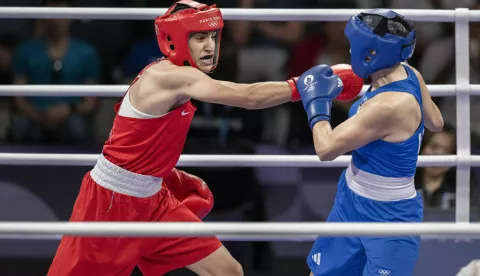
[{"x": 354, "y": 256}]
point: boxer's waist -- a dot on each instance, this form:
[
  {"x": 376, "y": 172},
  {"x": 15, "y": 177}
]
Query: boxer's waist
[
  {"x": 117, "y": 179},
  {"x": 378, "y": 187}
]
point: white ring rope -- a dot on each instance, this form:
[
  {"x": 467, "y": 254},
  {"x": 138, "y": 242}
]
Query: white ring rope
[
  {"x": 211, "y": 160},
  {"x": 234, "y": 231},
  {"x": 171, "y": 229},
  {"x": 119, "y": 90},
  {"x": 266, "y": 237},
  {"x": 228, "y": 13}
]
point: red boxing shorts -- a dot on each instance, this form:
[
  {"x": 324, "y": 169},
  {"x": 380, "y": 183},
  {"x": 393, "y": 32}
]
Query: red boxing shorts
[{"x": 117, "y": 255}]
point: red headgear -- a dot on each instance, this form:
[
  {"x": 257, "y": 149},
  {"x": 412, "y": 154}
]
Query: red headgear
[{"x": 173, "y": 30}]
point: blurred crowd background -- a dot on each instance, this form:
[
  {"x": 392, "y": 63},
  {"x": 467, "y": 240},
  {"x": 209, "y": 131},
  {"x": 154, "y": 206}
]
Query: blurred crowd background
[{"x": 110, "y": 52}]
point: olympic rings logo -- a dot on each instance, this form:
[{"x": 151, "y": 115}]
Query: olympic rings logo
[
  {"x": 213, "y": 24},
  {"x": 384, "y": 272}
]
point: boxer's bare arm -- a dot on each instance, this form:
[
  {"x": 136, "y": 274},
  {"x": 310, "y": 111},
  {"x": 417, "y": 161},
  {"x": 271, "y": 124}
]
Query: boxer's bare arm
[
  {"x": 259, "y": 95},
  {"x": 163, "y": 86},
  {"x": 156, "y": 93},
  {"x": 390, "y": 116},
  {"x": 433, "y": 116}
]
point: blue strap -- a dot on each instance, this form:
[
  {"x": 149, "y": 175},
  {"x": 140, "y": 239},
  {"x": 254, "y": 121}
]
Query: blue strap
[{"x": 409, "y": 85}]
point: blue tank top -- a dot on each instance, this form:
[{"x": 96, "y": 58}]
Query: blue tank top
[{"x": 386, "y": 158}]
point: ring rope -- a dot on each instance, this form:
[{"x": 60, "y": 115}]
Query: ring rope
[
  {"x": 212, "y": 160},
  {"x": 251, "y": 230},
  {"x": 228, "y": 14},
  {"x": 119, "y": 90},
  {"x": 263, "y": 238},
  {"x": 195, "y": 229}
]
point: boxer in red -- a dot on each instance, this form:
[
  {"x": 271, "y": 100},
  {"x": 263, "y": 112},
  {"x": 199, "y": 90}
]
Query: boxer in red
[{"x": 135, "y": 178}]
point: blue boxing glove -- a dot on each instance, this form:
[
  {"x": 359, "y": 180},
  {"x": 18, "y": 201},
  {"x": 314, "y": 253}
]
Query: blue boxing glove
[{"x": 317, "y": 87}]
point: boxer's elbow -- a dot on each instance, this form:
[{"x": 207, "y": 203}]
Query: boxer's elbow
[
  {"x": 325, "y": 145},
  {"x": 326, "y": 153},
  {"x": 433, "y": 118},
  {"x": 324, "y": 156},
  {"x": 436, "y": 125}
]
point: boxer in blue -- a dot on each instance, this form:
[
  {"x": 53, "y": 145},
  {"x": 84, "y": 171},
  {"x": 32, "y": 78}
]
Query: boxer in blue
[{"x": 384, "y": 132}]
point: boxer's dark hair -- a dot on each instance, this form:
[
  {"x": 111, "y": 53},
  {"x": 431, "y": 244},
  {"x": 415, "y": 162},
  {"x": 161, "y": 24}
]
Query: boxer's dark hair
[
  {"x": 180, "y": 7},
  {"x": 381, "y": 25}
]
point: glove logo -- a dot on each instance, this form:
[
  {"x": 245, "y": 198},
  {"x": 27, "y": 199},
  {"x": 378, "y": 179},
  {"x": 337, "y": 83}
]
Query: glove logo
[
  {"x": 340, "y": 83},
  {"x": 310, "y": 84},
  {"x": 308, "y": 79}
]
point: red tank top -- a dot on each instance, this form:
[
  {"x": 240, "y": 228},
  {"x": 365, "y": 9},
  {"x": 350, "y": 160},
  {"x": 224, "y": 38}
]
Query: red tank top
[{"x": 149, "y": 146}]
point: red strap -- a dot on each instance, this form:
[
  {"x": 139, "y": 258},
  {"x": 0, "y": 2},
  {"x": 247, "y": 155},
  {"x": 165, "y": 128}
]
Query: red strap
[{"x": 293, "y": 85}]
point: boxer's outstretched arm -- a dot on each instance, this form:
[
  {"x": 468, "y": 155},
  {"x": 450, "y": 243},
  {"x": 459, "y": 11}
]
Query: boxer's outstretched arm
[
  {"x": 250, "y": 96},
  {"x": 258, "y": 95},
  {"x": 374, "y": 121}
]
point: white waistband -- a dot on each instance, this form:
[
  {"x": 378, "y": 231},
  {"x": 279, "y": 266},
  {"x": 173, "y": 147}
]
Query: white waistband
[
  {"x": 378, "y": 187},
  {"x": 117, "y": 179}
]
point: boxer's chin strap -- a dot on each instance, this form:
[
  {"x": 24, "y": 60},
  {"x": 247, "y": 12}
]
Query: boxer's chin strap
[{"x": 186, "y": 63}]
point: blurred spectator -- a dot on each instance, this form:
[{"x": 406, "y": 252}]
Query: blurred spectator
[
  {"x": 264, "y": 50},
  {"x": 438, "y": 184},
  {"x": 54, "y": 58},
  {"x": 110, "y": 38},
  {"x": 426, "y": 31},
  {"x": 7, "y": 46},
  {"x": 144, "y": 50},
  {"x": 141, "y": 54},
  {"x": 441, "y": 70},
  {"x": 21, "y": 28},
  {"x": 265, "y": 46}
]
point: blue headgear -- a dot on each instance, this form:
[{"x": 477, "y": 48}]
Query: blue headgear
[{"x": 389, "y": 48}]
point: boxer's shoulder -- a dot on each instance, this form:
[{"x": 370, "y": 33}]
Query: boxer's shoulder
[
  {"x": 393, "y": 101},
  {"x": 158, "y": 90},
  {"x": 171, "y": 76}
]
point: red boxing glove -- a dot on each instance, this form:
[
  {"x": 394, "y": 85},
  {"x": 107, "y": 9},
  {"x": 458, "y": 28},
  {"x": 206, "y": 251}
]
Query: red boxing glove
[
  {"x": 293, "y": 85},
  {"x": 352, "y": 84},
  {"x": 191, "y": 191}
]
